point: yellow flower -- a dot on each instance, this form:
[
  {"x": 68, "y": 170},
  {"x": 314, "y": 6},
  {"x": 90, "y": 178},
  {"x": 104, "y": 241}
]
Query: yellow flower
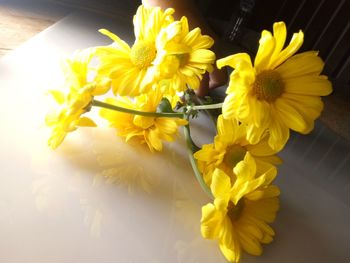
[
  {"x": 280, "y": 92},
  {"x": 149, "y": 130},
  {"x": 183, "y": 56},
  {"x": 241, "y": 211},
  {"x": 229, "y": 148},
  {"x": 131, "y": 69},
  {"x": 76, "y": 101}
]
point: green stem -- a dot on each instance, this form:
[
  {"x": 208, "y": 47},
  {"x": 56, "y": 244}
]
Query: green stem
[
  {"x": 190, "y": 151},
  {"x": 136, "y": 112},
  {"x": 207, "y": 107}
]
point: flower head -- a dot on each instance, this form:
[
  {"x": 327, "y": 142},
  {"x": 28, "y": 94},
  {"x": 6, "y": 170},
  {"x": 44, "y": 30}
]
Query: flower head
[
  {"x": 241, "y": 211},
  {"x": 149, "y": 130},
  {"x": 230, "y": 147},
  {"x": 131, "y": 69},
  {"x": 183, "y": 55},
  {"x": 280, "y": 92},
  {"x": 76, "y": 100}
]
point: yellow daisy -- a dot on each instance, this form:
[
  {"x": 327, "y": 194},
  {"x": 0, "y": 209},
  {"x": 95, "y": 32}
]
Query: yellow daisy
[
  {"x": 229, "y": 148},
  {"x": 183, "y": 56},
  {"x": 280, "y": 92},
  {"x": 149, "y": 130},
  {"x": 131, "y": 69},
  {"x": 241, "y": 211},
  {"x": 76, "y": 101}
]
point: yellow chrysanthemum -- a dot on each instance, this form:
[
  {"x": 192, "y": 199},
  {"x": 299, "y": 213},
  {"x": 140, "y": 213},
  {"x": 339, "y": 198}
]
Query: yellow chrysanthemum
[
  {"x": 183, "y": 56},
  {"x": 72, "y": 104},
  {"x": 131, "y": 69},
  {"x": 280, "y": 92},
  {"x": 149, "y": 130},
  {"x": 241, "y": 211},
  {"x": 229, "y": 148}
]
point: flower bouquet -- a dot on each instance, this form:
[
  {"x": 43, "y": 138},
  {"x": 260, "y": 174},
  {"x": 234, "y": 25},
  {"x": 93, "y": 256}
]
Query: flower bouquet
[{"x": 152, "y": 84}]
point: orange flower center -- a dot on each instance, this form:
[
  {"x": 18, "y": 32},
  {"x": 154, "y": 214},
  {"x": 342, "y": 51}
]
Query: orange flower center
[
  {"x": 234, "y": 212},
  {"x": 268, "y": 86},
  {"x": 234, "y": 154},
  {"x": 142, "y": 53}
]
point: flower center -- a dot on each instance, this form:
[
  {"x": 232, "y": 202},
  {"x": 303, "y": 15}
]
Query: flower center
[
  {"x": 234, "y": 154},
  {"x": 268, "y": 86},
  {"x": 235, "y": 211},
  {"x": 183, "y": 59},
  {"x": 142, "y": 53}
]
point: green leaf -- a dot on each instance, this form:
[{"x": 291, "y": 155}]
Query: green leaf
[{"x": 165, "y": 106}]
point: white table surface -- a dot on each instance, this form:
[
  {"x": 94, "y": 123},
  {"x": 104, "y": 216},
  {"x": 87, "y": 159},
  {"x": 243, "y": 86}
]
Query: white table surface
[{"x": 98, "y": 199}]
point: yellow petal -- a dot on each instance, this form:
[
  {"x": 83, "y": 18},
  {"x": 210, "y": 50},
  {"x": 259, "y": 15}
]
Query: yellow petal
[
  {"x": 202, "y": 56},
  {"x": 255, "y": 195},
  {"x": 267, "y": 239},
  {"x": 86, "y": 122},
  {"x": 259, "y": 110},
  {"x": 173, "y": 30},
  {"x": 245, "y": 170},
  {"x": 227, "y": 127},
  {"x": 263, "y": 164},
  {"x": 118, "y": 42},
  {"x": 261, "y": 149},
  {"x": 203, "y": 42},
  {"x": 192, "y": 37},
  {"x": 206, "y": 154},
  {"x": 255, "y": 133},
  {"x": 266, "y": 48},
  {"x": 303, "y": 64},
  {"x": 102, "y": 87},
  {"x": 290, "y": 50},
  {"x": 264, "y": 209},
  {"x": 143, "y": 122},
  {"x": 250, "y": 244},
  {"x": 228, "y": 109},
  {"x": 269, "y": 175},
  {"x": 227, "y": 233},
  {"x": 229, "y": 244},
  {"x": 279, "y": 135},
  {"x": 251, "y": 229},
  {"x": 309, "y": 106},
  {"x": 229, "y": 253},
  {"x": 57, "y": 95},
  {"x": 261, "y": 224},
  {"x": 245, "y": 187},
  {"x": 147, "y": 80},
  {"x": 193, "y": 82},
  {"x": 272, "y": 159},
  {"x": 271, "y": 191},
  {"x": 210, "y": 222},
  {"x": 56, "y": 139},
  {"x": 155, "y": 141},
  {"x": 280, "y": 34},
  {"x": 309, "y": 85},
  {"x": 127, "y": 84},
  {"x": 234, "y": 60},
  {"x": 130, "y": 135},
  {"x": 290, "y": 116},
  {"x": 167, "y": 125},
  {"x": 221, "y": 183}
]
